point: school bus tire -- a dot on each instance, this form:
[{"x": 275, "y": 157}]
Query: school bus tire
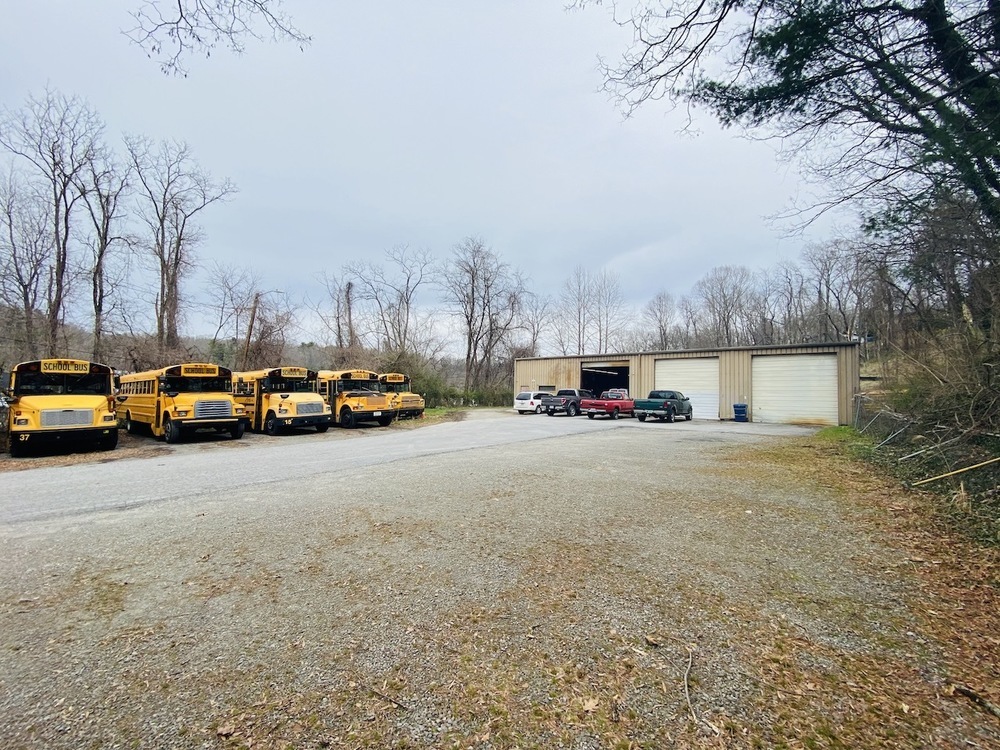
[
  {"x": 385, "y": 421},
  {"x": 236, "y": 431},
  {"x": 171, "y": 431},
  {"x": 109, "y": 443},
  {"x": 130, "y": 427},
  {"x": 323, "y": 427},
  {"x": 271, "y": 424},
  {"x": 347, "y": 418}
]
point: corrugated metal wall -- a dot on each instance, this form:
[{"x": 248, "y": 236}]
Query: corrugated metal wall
[{"x": 735, "y": 372}]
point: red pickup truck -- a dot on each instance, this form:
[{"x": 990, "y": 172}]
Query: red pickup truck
[{"x": 611, "y": 404}]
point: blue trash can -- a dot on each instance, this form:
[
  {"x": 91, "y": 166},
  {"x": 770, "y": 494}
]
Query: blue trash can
[{"x": 740, "y": 413}]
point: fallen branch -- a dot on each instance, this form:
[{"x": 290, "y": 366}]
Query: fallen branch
[
  {"x": 957, "y": 471},
  {"x": 932, "y": 447},
  {"x": 389, "y": 698},
  {"x": 687, "y": 694},
  {"x": 976, "y": 698}
]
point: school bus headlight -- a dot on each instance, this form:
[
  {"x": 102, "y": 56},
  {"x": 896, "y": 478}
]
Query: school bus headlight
[
  {"x": 110, "y": 417},
  {"x": 21, "y": 422},
  {"x": 239, "y": 410},
  {"x": 181, "y": 412}
]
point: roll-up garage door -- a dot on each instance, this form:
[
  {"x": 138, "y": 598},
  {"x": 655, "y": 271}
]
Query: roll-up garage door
[
  {"x": 698, "y": 379},
  {"x": 795, "y": 388}
]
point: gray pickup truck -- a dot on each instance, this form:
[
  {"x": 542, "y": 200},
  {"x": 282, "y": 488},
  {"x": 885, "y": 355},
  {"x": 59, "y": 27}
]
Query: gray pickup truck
[{"x": 566, "y": 400}]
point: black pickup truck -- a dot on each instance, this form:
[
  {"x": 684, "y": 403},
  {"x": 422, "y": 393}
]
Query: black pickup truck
[{"x": 565, "y": 400}]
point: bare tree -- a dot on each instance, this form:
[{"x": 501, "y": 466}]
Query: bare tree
[
  {"x": 170, "y": 30},
  {"x": 271, "y": 320},
  {"x": 104, "y": 186},
  {"x": 25, "y": 252},
  {"x": 658, "y": 315},
  {"x": 724, "y": 294},
  {"x": 230, "y": 292},
  {"x": 172, "y": 190},
  {"x": 57, "y": 137},
  {"x": 534, "y": 322},
  {"x": 607, "y": 309},
  {"x": 337, "y": 311},
  {"x": 575, "y": 325},
  {"x": 391, "y": 294},
  {"x": 691, "y": 325},
  {"x": 791, "y": 302},
  {"x": 485, "y": 294}
]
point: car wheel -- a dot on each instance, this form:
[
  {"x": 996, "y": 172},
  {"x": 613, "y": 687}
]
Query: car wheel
[
  {"x": 236, "y": 431},
  {"x": 271, "y": 424},
  {"x": 670, "y": 415},
  {"x": 538, "y": 410},
  {"x": 551, "y": 413},
  {"x": 689, "y": 416},
  {"x": 347, "y": 418},
  {"x": 323, "y": 427},
  {"x": 614, "y": 414},
  {"x": 171, "y": 432},
  {"x": 641, "y": 417},
  {"x": 521, "y": 412},
  {"x": 571, "y": 410},
  {"x": 590, "y": 416}
]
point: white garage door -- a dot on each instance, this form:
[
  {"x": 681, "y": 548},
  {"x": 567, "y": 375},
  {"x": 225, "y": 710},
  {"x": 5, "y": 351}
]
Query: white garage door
[
  {"x": 698, "y": 379},
  {"x": 795, "y": 388}
]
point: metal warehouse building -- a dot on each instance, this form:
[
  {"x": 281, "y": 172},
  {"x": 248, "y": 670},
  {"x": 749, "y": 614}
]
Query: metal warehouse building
[{"x": 802, "y": 383}]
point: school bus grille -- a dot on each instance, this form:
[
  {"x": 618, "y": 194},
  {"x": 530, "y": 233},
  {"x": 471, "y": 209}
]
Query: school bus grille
[
  {"x": 310, "y": 407},
  {"x": 66, "y": 417},
  {"x": 210, "y": 409}
]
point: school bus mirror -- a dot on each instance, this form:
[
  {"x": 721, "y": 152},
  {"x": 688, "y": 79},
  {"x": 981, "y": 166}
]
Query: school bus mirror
[
  {"x": 172, "y": 394},
  {"x": 121, "y": 399}
]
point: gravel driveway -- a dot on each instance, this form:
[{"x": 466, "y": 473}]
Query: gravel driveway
[{"x": 591, "y": 584}]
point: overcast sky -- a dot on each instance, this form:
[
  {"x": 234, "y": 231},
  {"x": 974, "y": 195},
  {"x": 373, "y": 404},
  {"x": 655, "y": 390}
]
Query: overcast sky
[{"x": 420, "y": 124}]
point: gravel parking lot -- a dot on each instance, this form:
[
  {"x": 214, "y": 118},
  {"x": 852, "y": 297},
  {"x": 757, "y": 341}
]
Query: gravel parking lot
[{"x": 504, "y": 581}]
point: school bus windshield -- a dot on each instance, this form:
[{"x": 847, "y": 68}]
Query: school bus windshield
[
  {"x": 291, "y": 385},
  {"x": 49, "y": 383},
  {"x": 360, "y": 385},
  {"x": 196, "y": 385}
]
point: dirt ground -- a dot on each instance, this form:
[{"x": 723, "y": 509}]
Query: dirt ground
[{"x": 772, "y": 594}]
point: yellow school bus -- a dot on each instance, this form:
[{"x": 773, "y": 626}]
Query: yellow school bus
[
  {"x": 402, "y": 399},
  {"x": 53, "y": 400},
  {"x": 281, "y": 397},
  {"x": 180, "y": 399},
  {"x": 354, "y": 396}
]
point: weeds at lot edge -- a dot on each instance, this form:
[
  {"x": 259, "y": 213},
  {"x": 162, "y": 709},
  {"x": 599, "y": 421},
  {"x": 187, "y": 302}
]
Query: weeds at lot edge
[{"x": 956, "y": 608}]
